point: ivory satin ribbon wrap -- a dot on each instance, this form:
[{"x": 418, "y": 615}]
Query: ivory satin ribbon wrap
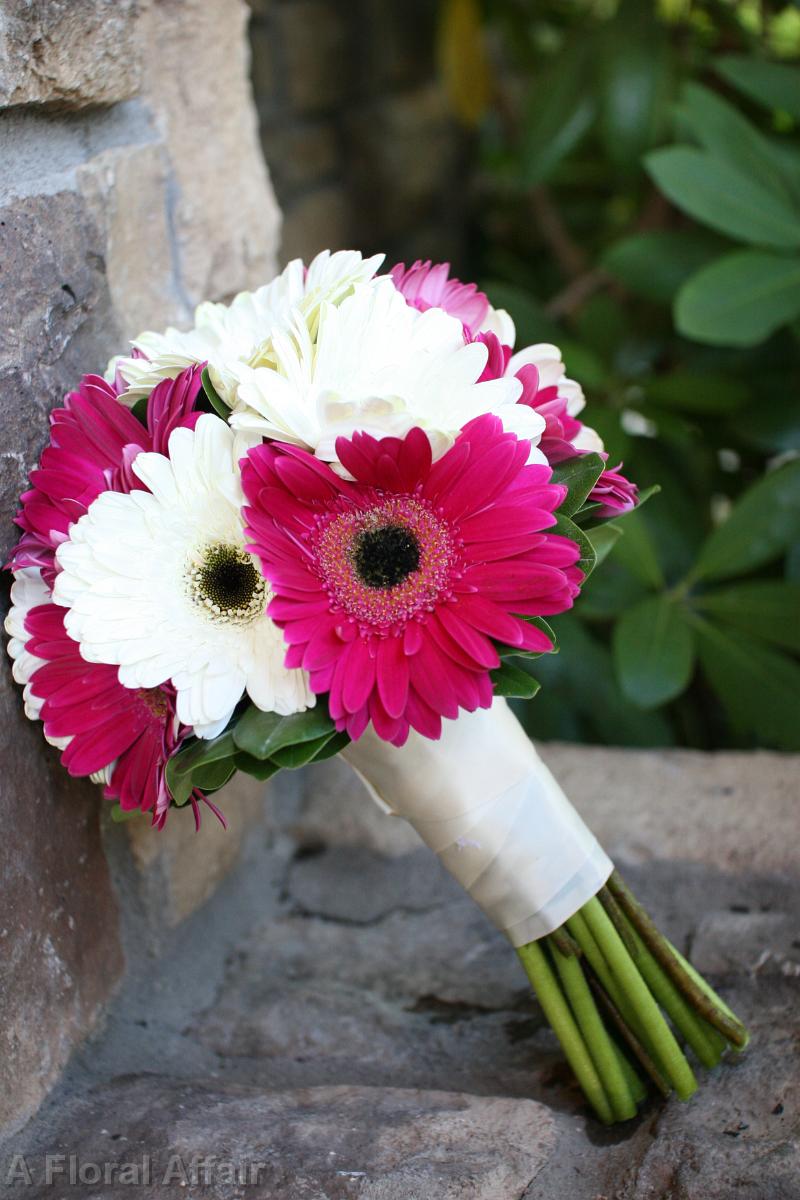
[{"x": 487, "y": 805}]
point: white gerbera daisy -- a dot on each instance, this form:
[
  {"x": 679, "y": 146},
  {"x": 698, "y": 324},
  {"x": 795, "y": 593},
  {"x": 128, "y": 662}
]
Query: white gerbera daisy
[
  {"x": 28, "y": 591},
  {"x": 225, "y": 335},
  {"x": 158, "y": 582},
  {"x": 376, "y": 365}
]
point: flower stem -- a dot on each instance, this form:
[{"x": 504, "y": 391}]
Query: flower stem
[
  {"x": 604, "y": 1054},
  {"x": 624, "y": 970},
  {"x": 701, "y": 997},
  {"x": 558, "y": 1014}
]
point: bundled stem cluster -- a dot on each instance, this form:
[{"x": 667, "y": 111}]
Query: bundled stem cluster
[{"x": 621, "y": 999}]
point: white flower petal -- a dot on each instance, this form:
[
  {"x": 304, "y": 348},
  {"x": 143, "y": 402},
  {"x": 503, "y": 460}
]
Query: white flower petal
[{"x": 126, "y": 581}]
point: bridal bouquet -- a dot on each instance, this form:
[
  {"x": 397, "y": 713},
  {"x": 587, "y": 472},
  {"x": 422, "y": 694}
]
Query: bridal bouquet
[{"x": 333, "y": 517}]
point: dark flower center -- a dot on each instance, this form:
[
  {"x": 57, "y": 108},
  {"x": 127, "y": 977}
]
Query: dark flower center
[
  {"x": 227, "y": 578},
  {"x": 225, "y": 583},
  {"x": 386, "y": 556}
]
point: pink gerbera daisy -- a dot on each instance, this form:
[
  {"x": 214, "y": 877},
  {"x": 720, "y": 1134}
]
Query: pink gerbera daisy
[
  {"x": 128, "y": 733},
  {"x": 392, "y": 589},
  {"x": 427, "y": 286},
  {"x": 557, "y": 399},
  {"x": 93, "y": 441}
]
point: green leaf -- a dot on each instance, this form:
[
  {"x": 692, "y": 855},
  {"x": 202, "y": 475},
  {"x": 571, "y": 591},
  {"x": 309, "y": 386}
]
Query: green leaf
[
  {"x": 653, "y": 652},
  {"x": 775, "y": 85},
  {"x": 717, "y": 194},
  {"x": 762, "y": 525},
  {"x": 197, "y": 755},
  {"x": 721, "y": 129},
  {"x": 298, "y": 755},
  {"x": 696, "y": 392},
  {"x": 758, "y": 687},
  {"x": 655, "y": 264},
  {"x": 214, "y": 775},
  {"x": 578, "y": 475},
  {"x": 262, "y": 734},
  {"x": 768, "y": 608},
  {"x": 258, "y": 769},
  {"x": 604, "y": 538},
  {"x": 637, "y": 552},
  {"x": 139, "y": 410},
  {"x": 509, "y": 680},
  {"x": 633, "y": 66},
  {"x": 569, "y": 529},
  {"x": 120, "y": 814},
  {"x": 215, "y": 400},
  {"x": 560, "y": 111},
  {"x": 740, "y": 299},
  {"x": 581, "y": 682},
  {"x": 332, "y": 746}
]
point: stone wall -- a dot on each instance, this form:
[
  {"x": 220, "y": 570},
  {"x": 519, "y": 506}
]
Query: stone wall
[
  {"x": 132, "y": 187},
  {"x": 356, "y": 128}
]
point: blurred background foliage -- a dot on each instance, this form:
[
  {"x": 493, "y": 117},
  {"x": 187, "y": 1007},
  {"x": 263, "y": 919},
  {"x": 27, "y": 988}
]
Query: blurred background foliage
[{"x": 637, "y": 201}]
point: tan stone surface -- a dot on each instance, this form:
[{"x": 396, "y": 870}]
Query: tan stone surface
[
  {"x": 195, "y": 66},
  {"x": 733, "y": 811},
  {"x": 178, "y": 868},
  {"x": 67, "y": 53},
  {"x": 113, "y": 218}
]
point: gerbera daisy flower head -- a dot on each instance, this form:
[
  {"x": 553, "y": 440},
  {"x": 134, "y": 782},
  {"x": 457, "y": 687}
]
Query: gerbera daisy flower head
[
  {"x": 393, "y": 587},
  {"x": 158, "y": 583},
  {"x": 93, "y": 441},
  {"x": 227, "y": 335},
  {"x": 558, "y": 400},
  {"x": 121, "y": 737},
  {"x": 427, "y": 285},
  {"x": 380, "y": 366}
]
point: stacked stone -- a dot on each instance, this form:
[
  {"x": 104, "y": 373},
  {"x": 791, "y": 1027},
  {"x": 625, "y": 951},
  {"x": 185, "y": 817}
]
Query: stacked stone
[
  {"x": 356, "y": 127},
  {"x": 132, "y": 187}
]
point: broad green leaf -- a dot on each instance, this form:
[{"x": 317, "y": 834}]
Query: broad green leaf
[
  {"x": 198, "y": 754},
  {"x": 256, "y": 767},
  {"x": 655, "y": 264},
  {"x": 722, "y": 129},
  {"x": 762, "y": 525},
  {"x": 634, "y": 82},
  {"x": 578, "y": 475},
  {"x": 758, "y": 687},
  {"x": 653, "y": 652},
  {"x": 775, "y": 85},
  {"x": 215, "y": 400},
  {"x": 740, "y": 299},
  {"x": 569, "y": 529},
  {"x": 532, "y": 322},
  {"x": 301, "y": 753},
  {"x": 604, "y": 538},
  {"x": 332, "y": 747},
  {"x": 695, "y": 392},
  {"x": 214, "y": 775},
  {"x": 582, "y": 682},
  {"x": 262, "y": 734},
  {"x": 637, "y": 552},
  {"x": 509, "y": 680},
  {"x": 719, "y": 195},
  {"x": 768, "y": 609},
  {"x": 560, "y": 110}
]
